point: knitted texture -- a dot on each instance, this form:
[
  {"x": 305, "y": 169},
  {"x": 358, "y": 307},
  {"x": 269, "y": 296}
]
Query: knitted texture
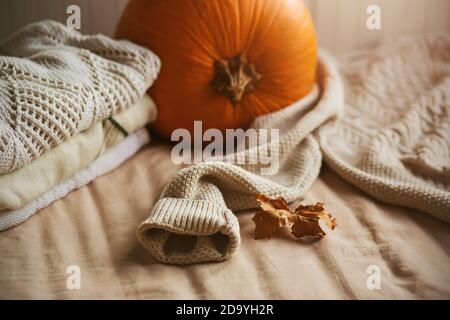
[
  {"x": 22, "y": 186},
  {"x": 393, "y": 140},
  {"x": 194, "y": 222},
  {"x": 55, "y": 82},
  {"x": 110, "y": 160}
]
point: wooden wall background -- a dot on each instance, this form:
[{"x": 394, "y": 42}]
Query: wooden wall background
[{"x": 341, "y": 24}]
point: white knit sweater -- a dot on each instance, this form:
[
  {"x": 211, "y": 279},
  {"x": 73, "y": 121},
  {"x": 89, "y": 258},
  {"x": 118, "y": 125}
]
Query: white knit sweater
[
  {"x": 55, "y": 82},
  {"x": 392, "y": 141},
  {"x": 194, "y": 222}
]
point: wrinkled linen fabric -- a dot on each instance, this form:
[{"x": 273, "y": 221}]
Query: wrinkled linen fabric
[{"x": 94, "y": 228}]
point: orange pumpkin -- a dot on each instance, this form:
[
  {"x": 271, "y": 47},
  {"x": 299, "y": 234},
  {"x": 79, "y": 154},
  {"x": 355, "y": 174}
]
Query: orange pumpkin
[{"x": 224, "y": 62}]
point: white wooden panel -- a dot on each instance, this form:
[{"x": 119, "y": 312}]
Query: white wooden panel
[{"x": 340, "y": 24}]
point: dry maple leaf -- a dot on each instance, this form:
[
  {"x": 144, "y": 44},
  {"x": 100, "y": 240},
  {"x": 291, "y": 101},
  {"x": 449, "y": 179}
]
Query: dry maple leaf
[
  {"x": 274, "y": 214},
  {"x": 305, "y": 220}
]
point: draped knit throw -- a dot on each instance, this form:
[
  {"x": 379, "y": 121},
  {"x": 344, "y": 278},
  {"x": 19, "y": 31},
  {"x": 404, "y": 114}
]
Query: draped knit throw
[
  {"x": 55, "y": 83},
  {"x": 392, "y": 140}
]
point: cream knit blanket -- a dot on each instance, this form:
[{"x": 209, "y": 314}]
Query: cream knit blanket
[
  {"x": 392, "y": 141},
  {"x": 55, "y": 82}
]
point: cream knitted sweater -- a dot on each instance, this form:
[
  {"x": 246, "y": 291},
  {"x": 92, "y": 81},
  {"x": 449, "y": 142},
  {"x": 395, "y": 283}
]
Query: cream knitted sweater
[
  {"x": 392, "y": 141},
  {"x": 194, "y": 222},
  {"x": 55, "y": 82}
]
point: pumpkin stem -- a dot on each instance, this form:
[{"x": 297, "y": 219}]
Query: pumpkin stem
[{"x": 234, "y": 77}]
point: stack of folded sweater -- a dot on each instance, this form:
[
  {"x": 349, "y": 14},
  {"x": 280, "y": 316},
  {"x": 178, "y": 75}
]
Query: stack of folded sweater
[{"x": 72, "y": 107}]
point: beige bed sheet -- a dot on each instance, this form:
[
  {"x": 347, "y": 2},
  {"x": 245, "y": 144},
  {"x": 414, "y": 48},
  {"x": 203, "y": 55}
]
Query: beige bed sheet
[{"x": 94, "y": 228}]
